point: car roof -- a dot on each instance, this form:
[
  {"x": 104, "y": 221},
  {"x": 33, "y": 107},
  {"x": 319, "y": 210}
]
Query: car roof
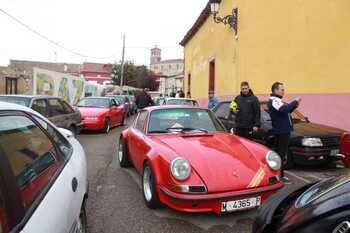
[
  {"x": 4, "y": 106},
  {"x": 174, "y": 98},
  {"x": 33, "y": 96},
  {"x": 162, "y": 107},
  {"x": 228, "y": 101},
  {"x": 99, "y": 97}
]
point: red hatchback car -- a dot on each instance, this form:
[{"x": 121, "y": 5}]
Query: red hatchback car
[
  {"x": 101, "y": 113},
  {"x": 190, "y": 163}
]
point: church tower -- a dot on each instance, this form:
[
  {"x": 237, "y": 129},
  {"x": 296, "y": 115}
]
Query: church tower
[{"x": 156, "y": 55}]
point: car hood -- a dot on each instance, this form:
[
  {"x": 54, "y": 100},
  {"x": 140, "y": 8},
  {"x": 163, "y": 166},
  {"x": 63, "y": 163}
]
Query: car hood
[
  {"x": 92, "y": 111},
  {"x": 309, "y": 129},
  {"x": 221, "y": 160}
]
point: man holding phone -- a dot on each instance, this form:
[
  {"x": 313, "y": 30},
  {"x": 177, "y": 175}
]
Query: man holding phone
[{"x": 246, "y": 108}]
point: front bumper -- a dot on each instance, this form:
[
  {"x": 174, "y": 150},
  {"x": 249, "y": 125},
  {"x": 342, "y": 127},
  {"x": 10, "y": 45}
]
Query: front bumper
[
  {"x": 310, "y": 156},
  {"x": 195, "y": 203},
  {"x": 93, "y": 124}
]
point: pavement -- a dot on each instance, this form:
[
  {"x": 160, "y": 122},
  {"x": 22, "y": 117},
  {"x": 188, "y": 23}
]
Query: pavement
[{"x": 116, "y": 203}]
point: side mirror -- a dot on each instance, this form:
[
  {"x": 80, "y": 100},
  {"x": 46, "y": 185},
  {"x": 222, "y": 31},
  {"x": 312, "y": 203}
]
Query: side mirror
[{"x": 66, "y": 132}]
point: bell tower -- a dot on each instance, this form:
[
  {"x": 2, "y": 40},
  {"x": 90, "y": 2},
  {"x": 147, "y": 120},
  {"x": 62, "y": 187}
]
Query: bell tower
[{"x": 156, "y": 55}]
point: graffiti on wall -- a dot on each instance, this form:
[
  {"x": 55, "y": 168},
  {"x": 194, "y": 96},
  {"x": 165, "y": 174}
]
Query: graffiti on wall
[{"x": 49, "y": 83}]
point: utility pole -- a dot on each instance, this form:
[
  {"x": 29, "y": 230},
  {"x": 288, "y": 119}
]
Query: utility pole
[{"x": 122, "y": 65}]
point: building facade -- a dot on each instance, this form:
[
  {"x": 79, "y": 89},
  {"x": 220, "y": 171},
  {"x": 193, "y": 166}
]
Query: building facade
[
  {"x": 303, "y": 44},
  {"x": 170, "y": 72},
  {"x": 96, "y": 72},
  {"x": 17, "y": 77}
]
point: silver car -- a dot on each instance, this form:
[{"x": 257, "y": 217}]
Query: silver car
[{"x": 55, "y": 109}]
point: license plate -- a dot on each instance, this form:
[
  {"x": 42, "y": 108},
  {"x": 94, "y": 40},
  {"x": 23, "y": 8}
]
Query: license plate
[
  {"x": 334, "y": 152},
  {"x": 237, "y": 205}
]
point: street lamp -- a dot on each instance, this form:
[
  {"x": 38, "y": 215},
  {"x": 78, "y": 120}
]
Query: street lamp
[{"x": 231, "y": 20}]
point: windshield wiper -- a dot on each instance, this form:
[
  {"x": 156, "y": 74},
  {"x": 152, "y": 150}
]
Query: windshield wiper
[
  {"x": 188, "y": 129},
  {"x": 159, "y": 131}
]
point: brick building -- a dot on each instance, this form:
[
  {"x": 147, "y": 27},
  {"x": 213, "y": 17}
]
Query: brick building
[{"x": 17, "y": 77}]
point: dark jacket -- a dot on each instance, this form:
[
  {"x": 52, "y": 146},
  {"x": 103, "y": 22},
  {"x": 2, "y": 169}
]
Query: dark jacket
[
  {"x": 143, "y": 100},
  {"x": 248, "y": 115},
  {"x": 280, "y": 114}
]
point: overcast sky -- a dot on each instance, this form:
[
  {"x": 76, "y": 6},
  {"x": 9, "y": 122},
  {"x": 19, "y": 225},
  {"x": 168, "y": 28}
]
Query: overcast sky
[{"x": 95, "y": 28}]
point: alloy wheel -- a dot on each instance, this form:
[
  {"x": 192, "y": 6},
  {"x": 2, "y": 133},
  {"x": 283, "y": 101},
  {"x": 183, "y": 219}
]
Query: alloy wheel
[
  {"x": 120, "y": 151},
  {"x": 147, "y": 183}
]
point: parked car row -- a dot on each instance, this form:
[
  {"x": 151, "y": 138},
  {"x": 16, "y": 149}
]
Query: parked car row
[{"x": 91, "y": 113}]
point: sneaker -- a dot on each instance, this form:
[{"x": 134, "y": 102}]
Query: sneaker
[{"x": 286, "y": 180}]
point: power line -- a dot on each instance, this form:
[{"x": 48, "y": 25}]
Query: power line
[
  {"x": 31, "y": 29},
  {"x": 50, "y": 40}
]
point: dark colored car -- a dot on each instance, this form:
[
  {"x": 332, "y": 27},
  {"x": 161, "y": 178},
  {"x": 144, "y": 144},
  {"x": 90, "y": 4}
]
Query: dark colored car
[
  {"x": 315, "y": 208},
  {"x": 55, "y": 109},
  {"x": 311, "y": 143},
  {"x": 133, "y": 105},
  {"x": 125, "y": 101}
]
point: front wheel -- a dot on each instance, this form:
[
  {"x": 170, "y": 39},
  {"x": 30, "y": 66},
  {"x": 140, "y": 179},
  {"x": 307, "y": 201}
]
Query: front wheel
[
  {"x": 149, "y": 188},
  {"x": 288, "y": 163},
  {"x": 82, "y": 222},
  {"x": 107, "y": 126},
  {"x": 123, "y": 154}
]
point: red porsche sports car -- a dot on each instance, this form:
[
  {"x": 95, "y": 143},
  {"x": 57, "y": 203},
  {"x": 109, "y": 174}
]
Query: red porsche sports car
[
  {"x": 101, "y": 113},
  {"x": 190, "y": 163}
]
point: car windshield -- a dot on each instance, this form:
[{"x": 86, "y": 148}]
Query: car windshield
[
  {"x": 183, "y": 119},
  {"x": 16, "y": 100},
  {"x": 181, "y": 102},
  {"x": 320, "y": 189},
  {"x": 120, "y": 99},
  {"x": 94, "y": 103}
]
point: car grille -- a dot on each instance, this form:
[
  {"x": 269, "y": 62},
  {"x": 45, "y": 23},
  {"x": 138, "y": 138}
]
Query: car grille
[
  {"x": 197, "y": 189},
  {"x": 344, "y": 227},
  {"x": 330, "y": 141}
]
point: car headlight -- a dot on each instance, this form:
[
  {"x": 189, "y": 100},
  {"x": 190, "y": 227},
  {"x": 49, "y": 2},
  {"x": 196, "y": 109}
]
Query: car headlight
[
  {"x": 273, "y": 160},
  {"x": 180, "y": 168},
  {"x": 312, "y": 142}
]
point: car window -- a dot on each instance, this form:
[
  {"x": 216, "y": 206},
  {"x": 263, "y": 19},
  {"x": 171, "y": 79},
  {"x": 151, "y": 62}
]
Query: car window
[
  {"x": 67, "y": 107},
  {"x": 223, "y": 110},
  {"x": 31, "y": 155},
  {"x": 56, "y": 108},
  {"x": 16, "y": 100},
  {"x": 165, "y": 120},
  {"x": 114, "y": 102},
  {"x": 265, "y": 116},
  {"x": 41, "y": 107},
  {"x": 140, "y": 123},
  {"x": 94, "y": 103},
  {"x": 62, "y": 143}
]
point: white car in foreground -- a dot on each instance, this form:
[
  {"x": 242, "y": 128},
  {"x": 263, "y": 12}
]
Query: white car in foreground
[{"x": 43, "y": 180}]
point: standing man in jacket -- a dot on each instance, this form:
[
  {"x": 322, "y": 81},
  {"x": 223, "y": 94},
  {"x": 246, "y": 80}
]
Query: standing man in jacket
[
  {"x": 282, "y": 124},
  {"x": 246, "y": 107}
]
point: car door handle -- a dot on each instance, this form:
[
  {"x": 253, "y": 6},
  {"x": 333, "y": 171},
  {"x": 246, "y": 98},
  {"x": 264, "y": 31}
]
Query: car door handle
[{"x": 74, "y": 184}]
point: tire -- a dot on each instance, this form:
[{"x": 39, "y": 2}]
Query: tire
[
  {"x": 123, "y": 121},
  {"x": 107, "y": 126},
  {"x": 123, "y": 154},
  {"x": 149, "y": 189},
  {"x": 289, "y": 162},
  {"x": 82, "y": 223}
]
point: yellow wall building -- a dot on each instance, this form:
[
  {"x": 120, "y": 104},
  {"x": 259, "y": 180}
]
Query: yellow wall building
[{"x": 304, "y": 44}]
